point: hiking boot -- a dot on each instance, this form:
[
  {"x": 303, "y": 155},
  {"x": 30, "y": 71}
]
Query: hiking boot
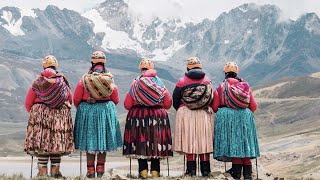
[
  {"x": 236, "y": 171},
  {"x": 155, "y": 167},
  {"x": 90, "y": 170},
  {"x": 143, "y": 174},
  {"x": 55, "y": 172},
  {"x": 155, "y": 174},
  {"x": 191, "y": 168},
  {"x": 247, "y": 172},
  {"x": 205, "y": 168},
  {"x": 100, "y": 168},
  {"x": 42, "y": 171}
]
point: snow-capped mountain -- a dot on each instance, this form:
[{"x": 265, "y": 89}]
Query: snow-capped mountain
[
  {"x": 265, "y": 46},
  {"x": 35, "y": 33},
  {"x": 122, "y": 30}
]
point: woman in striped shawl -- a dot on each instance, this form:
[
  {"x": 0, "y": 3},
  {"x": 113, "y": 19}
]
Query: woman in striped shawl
[
  {"x": 235, "y": 137},
  {"x": 97, "y": 129},
  {"x": 147, "y": 132},
  {"x": 50, "y": 130}
]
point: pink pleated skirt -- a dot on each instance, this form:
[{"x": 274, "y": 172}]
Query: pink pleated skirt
[{"x": 193, "y": 131}]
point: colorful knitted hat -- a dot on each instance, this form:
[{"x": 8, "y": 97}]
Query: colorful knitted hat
[
  {"x": 146, "y": 63},
  {"x": 98, "y": 56},
  {"x": 231, "y": 67},
  {"x": 193, "y": 62},
  {"x": 49, "y": 61}
]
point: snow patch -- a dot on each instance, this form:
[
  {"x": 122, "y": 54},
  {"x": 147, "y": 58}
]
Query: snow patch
[
  {"x": 113, "y": 39},
  {"x": 256, "y": 20},
  {"x": 28, "y": 12},
  {"x": 138, "y": 31},
  {"x": 13, "y": 26},
  {"x": 315, "y": 75},
  {"x": 242, "y": 9},
  {"x": 249, "y": 31},
  {"x": 165, "y": 54},
  {"x": 160, "y": 32},
  {"x": 226, "y": 41}
]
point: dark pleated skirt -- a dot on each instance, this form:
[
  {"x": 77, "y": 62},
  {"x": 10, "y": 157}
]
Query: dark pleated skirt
[{"x": 147, "y": 133}]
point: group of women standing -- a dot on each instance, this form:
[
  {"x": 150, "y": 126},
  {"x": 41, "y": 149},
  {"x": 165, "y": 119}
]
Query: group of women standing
[{"x": 230, "y": 136}]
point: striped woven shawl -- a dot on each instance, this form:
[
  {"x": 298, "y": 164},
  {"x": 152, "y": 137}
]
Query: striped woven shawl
[
  {"x": 98, "y": 85},
  {"x": 236, "y": 96},
  {"x": 53, "y": 91},
  {"x": 148, "y": 91}
]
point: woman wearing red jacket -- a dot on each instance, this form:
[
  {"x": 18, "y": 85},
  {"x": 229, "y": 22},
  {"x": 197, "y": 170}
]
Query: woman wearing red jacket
[
  {"x": 97, "y": 129},
  {"x": 235, "y": 136},
  {"x": 192, "y": 98},
  {"x": 50, "y": 129},
  {"x": 147, "y": 132}
]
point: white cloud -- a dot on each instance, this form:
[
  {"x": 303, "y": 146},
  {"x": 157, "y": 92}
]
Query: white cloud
[{"x": 188, "y": 9}]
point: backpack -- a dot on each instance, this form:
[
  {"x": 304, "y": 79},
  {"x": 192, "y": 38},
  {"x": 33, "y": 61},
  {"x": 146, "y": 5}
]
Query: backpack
[
  {"x": 236, "y": 96},
  {"x": 148, "y": 91},
  {"x": 98, "y": 85},
  {"x": 197, "y": 96},
  {"x": 53, "y": 91}
]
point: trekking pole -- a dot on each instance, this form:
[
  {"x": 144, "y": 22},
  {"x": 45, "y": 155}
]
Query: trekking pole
[
  {"x": 225, "y": 166},
  {"x": 31, "y": 167},
  {"x": 80, "y": 163},
  {"x": 130, "y": 168},
  {"x": 199, "y": 165},
  {"x": 168, "y": 165},
  {"x": 184, "y": 163},
  {"x": 257, "y": 168}
]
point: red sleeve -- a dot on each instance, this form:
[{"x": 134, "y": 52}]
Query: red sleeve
[
  {"x": 167, "y": 102},
  {"x": 29, "y": 101},
  {"x": 128, "y": 102},
  {"x": 78, "y": 94},
  {"x": 115, "y": 96},
  {"x": 216, "y": 101},
  {"x": 253, "y": 103}
]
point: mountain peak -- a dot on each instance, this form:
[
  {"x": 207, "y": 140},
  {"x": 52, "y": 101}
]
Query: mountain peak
[{"x": 52, "y": 7}]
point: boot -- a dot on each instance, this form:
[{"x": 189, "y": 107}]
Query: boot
[
  {"x": 143, "y": 168},
  {"x": 42, "y": 171},
  {"x": 100, "y": 168},
  {"x": 55, "y": 172},
  {"x": 247, "y": 172},
  {"x": 205, "y": 168},
  {"x": 191, "y": 168},
  {"x": 90, "y": 170},
  {"x": 236, "y": 171},
  {"x": 155, "y": 167}
]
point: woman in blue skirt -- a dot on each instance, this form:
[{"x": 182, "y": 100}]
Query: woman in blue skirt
[
  {"x": 97, "y": 129},
  {"x": 235, "y": 136}
]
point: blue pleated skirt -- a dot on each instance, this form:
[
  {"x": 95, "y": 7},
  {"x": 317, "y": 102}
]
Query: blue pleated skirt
[
  {"x": 235, "y": 134},
  {"x": 97, "y": 128}
]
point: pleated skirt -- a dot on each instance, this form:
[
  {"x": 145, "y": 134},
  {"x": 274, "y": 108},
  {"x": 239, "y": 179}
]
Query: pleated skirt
[
  {"x": 193, "y": 131},
  {"x": 147, "y": 133},
  {"x": 97, "y": 128},
  {"x": 49, "y": 131},
  {"x": 235, "y": 134}
]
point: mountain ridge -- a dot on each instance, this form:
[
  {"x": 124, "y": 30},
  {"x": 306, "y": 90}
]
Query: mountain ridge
[{"x": 255, "y": 36}]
